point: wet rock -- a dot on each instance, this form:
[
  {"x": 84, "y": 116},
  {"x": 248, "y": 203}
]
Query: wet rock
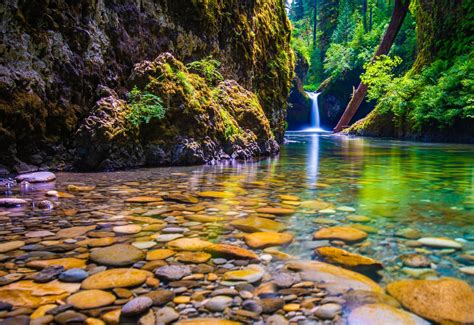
[
  {"x": 160, "y": 297},
  {"x": 70, "y": 317},
  {"x": 276, "y": 211},
  {"x": 257, "y": 224},
  {"x": 74, "y": 232},
  {"x": 127, "y": 229},
  {"x": 347, "y": 234},
  {"x": 271, "y": 305},
  {"x": 39, "y": 234},
  {"x": 216, "y": 195},
  {"x": 443, "y": 300},
  {"x": 328, "y": 311},
  {"x": 408, "y": 233},
  {"x": 18, "y": 320},
  {"x": 218, "y": 303},
  {"x": 192, "y": 257},
  {"x": 336, "y": 279},
  {"x": 207, "y": 321},
  {"x": 252, "y": 273},
  {"x": 382, "y": 314},
  {"x": 316, "y": 205},
  {"x": 45, "y": 205},
  {"x": 5, "y": 306},
  {"x": 143, "y": 199},
  {"x": 88, "y": 299},
  {"x": 357, "y": 218},
  {"x": 172, "y": 272},
  {"x": 415, "y": 260},
  {"x": 117, "y": 255},
  {"x": 137, "y": 306},
  {"x": 285, "y": 279},
  {"x": 166, "y": 315},
  {"x": 159, "y": 254},
  {"x": 467, "y": 270},
  {"x": 267, "y": 239},
  {"x": 10, "y": 202},
  {"x": 10, "y": 246},
  {"x": 37, "y": 177},
  {"x": 188, "y": 244},
  {"x": 67, "y": 263},
  {"x": 73, "y": 275},
  {"x": 357, "y": 298},
  {"x": 252, "y": 306},
  {"x": 115, "y": 278},
  {"x": 277, "y": 320},
  {"x": 440, "y": 242},
  {"x": 348, "y": 260},
  {"x": 230, "y": 251},
  {"x": 164, "y": 238},
  {"x": 181, "y": 198},
  {"x": 48, "y": 274}
]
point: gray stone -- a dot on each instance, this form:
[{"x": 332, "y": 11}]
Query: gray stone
[{"x": 137, "y": 306}]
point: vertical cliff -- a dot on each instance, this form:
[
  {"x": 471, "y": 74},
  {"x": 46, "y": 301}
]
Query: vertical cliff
[{"x": 58, "y": 58}]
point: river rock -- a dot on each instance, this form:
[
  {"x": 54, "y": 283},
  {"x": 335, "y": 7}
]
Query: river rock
[
  {"x": 159, "y": 254},
  {"x": 166, "y": 315},
  {"x": 39, "y": 233},
  {"x": 12, "y": 202},
  {"x": 271, "y": 305},
  {"x": 218, "y": 303},
  {"x": 339, "y": 279},
  {"x": 216, "y": 195},
  {"x": 467, "y": 270},
  {"x": 37, "y": 177},
  {"x": 408, "y": 233},
  {"x": 328, "y": 311},
  {"x": 207, "y": 321},
  {"x": 443, "y": 301},
  {"x": 70, "y": 317},
  {"x": 415, "y": 260},
  {"x": 348, "y": 260},
  {"x": 267, "y": 239},
  {"x": 347, "y": 234},
  {"x": 172, "y": 272},
  {"x": 10, "y": 246},
  {"x": 316, "y": 205},
  {"x": 257, "y": 224},
  {"x": 357, "y": 218},
  {"x": 88, "y": 299},
  {"x": 160, "y": 296},
  {"x": 181, "y": 198},
  {"x": 204, "y": 218},
  {"x": 277, "y": 320},
  {"x": 230, "y": 251},
  {"x": 252, "y": 273},
  {"x": 74, "y": 232},
  {"x": 137, "y": 306},
  {"x": 440, "y": 242},
  {"x": 67, "y": 263},
  {"x": 164, "y": 238},
  {"x": 116, "y": 278},
  {"x": 143, "y": 199},
  {"x": 127, "y": 229},
  {"x": 188, "y": 244},
  {"x": 192, "y": 257},
  {"x": 383, "y": 314},
  {"x": 73, "y": 275},
  {"x": 117, "y": 255},
  {"x": 357, "y": 298}
]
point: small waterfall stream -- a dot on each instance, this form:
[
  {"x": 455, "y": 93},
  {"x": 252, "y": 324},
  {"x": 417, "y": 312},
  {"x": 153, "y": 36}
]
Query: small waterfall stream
[{"x": 315, "y": 124}]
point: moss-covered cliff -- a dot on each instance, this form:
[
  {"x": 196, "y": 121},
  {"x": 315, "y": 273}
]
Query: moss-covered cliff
[
  {"x": 434, "y": 100},
  {"x": 58, "y": 58}
]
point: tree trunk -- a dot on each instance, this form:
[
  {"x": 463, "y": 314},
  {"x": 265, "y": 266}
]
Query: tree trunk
[
  {"x": 370, "y": 18},
  {"x": 315, "y": 22},
  {"x": 399, "y": 12}
]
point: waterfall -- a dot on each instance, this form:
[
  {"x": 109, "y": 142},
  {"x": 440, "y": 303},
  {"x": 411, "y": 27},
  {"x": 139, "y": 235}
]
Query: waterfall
[{"x": 315, "y": 124}]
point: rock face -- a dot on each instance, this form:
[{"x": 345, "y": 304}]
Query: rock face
[
  {"x": 60, "y": 58},
  {"x": 443, "y": 301}
]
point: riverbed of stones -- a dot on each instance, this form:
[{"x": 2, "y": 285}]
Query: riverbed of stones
[{"x": 212, "y": 250}]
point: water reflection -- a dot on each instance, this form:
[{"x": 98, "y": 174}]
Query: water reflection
[{"x": 313, "y": 160}]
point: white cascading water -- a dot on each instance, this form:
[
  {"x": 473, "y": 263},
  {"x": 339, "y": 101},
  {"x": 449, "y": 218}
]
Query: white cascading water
[{"x": 315, "y": 124}]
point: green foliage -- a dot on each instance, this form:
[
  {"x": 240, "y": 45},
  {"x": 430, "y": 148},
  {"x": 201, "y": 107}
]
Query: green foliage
[
  {"x": 183, "y": 79},
  {"x": 379, "y": 74},
  {"x": 338, "y": 60},
  {"x": 144, "y": 106},
  {"x": 208, "y": 68},
  {"x": 438, "y": 96}
]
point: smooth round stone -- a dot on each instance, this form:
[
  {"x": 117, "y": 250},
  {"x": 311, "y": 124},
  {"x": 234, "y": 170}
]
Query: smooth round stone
[
  {"x": 189, "y": 244},
  {"x": 73, "y": 275},
  {"x": 74, "y": 232},
  {"x": 181, "y": 300},
  {"x": 10, "y": 246},
  {"x": 345, "y": 209},
  {"x": 415, "y": 260},
  {"x": 159, "y": 254},
  {"x": 45, "y": 205},
  {"x": 257, "y": 224},
  {"x": 192, "y": 257},
  {"x": 39, "y": 234},
  {"x": 166, "y": 315},
  {"x": 137, "y": 306},
  {"x": 207, "y": 321},
  {"x": 173, "y": 230},
  {"x": 271, "y": 305},
  {"x": 277, "y": 320},
  {"x": 172, "y": 272},
  {"x": 37, "y": 177},
  {"x": 88, "y": 299},
  {"x": 70, "y": 317},
  {"x": 439, "y": 242},
  {"x": 160, "y": 296},
  {"x": 10, "y": 202},
  {"x": 166, "y": 237},
  {"x": 325, "y": 221},
  {"x": 219, "y": 261},
  {"x": 117, "y": 255},
  {"x": 127, "y": 229},
  {"x": 382, "y": 314},
  {"x": 144, "y": 244},
  {"x": 315, "y": 205},
  {"x": 216, "y": 195},
  {"x": 408, "y": 233},
  {"x": 267, "y": 239},
  {"x": 291, "y": 307},
  {"x": 467, "y": 270},
  {"x": 218, "y": 303},
  {"x": 328, "y": 311},
  {"x": 67, "y": 263},
  {"x": 357, "y": 218},
  {"x": 276, "y": 211},
  {"x": 347, "y": 259},
  {"x": 346, "y": 234},
  {"x": 252, "y": 273},
  {"x": 116, "y": 278}
]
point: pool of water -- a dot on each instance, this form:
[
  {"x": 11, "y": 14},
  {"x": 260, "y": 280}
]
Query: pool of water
[{"x": 399, "y": 188}]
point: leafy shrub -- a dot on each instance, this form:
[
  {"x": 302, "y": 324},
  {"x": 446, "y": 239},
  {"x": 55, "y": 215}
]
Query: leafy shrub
[
  {"x": 378, "y": 75},
  {"x": 208, "y": 68},
  {"x": 145, "y": 106},
  {"x": 338, "y": 60}
]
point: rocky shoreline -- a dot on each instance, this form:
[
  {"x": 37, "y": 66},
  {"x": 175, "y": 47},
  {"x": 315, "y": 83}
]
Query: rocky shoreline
[{"x": 156, "y": 255}]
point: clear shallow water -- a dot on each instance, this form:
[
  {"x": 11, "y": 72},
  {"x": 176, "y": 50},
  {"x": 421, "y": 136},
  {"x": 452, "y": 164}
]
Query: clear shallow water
[{"x": 398, "y": 185}]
